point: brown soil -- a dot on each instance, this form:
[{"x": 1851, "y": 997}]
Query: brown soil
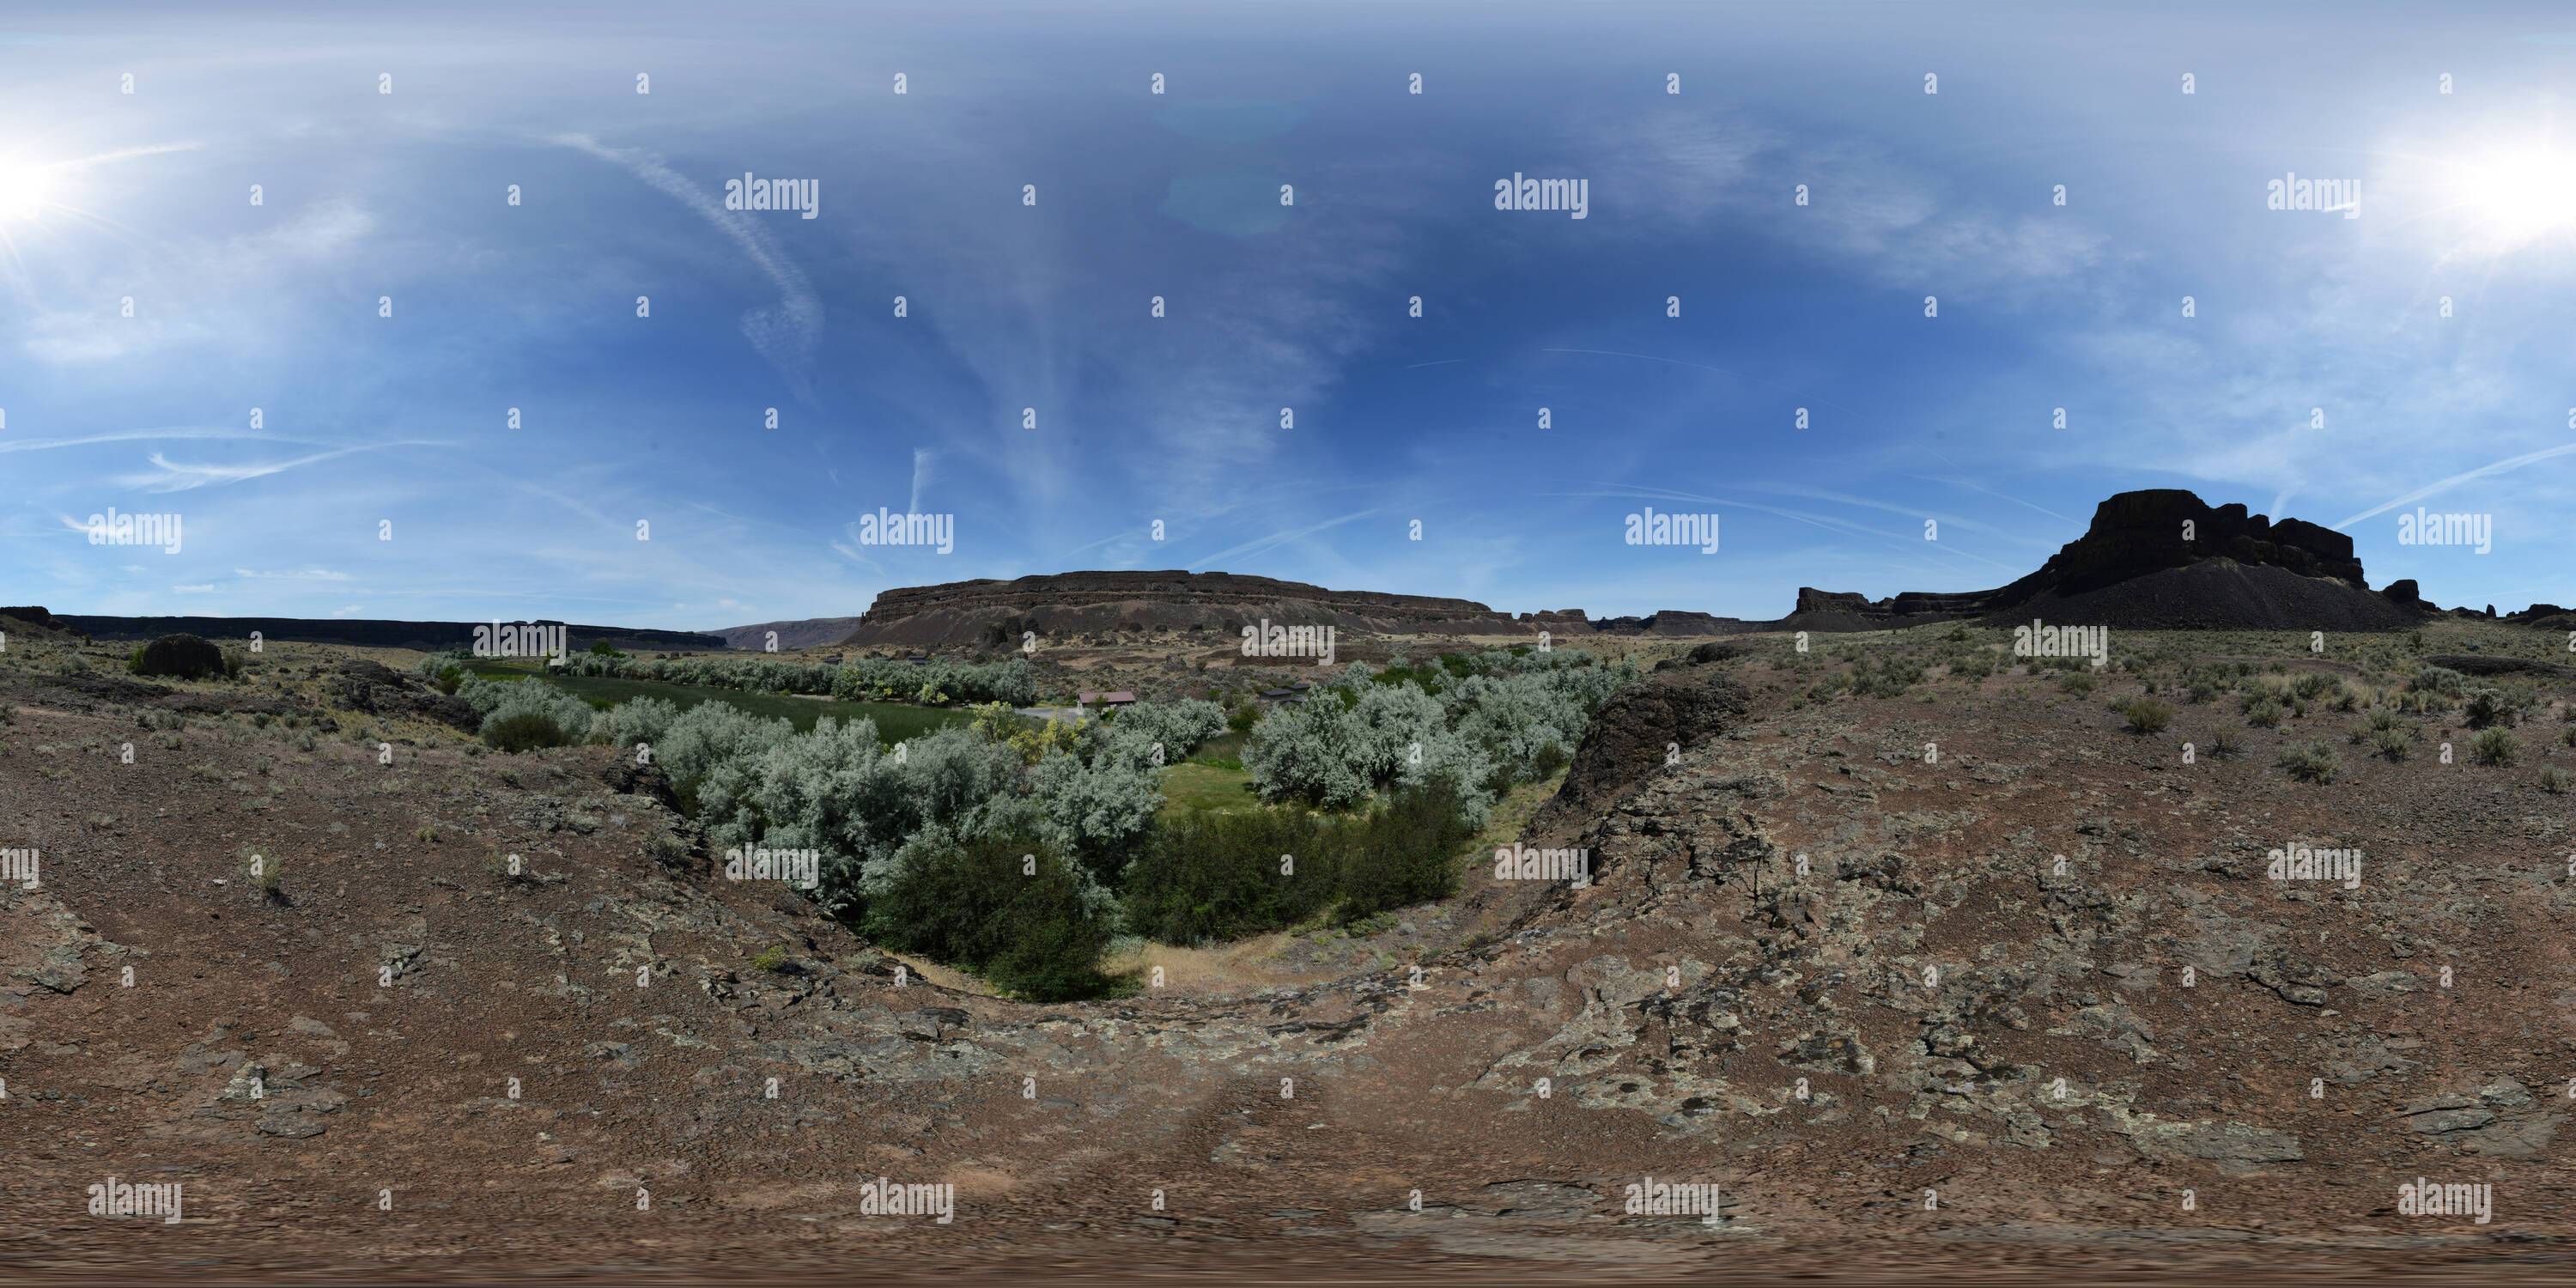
[{"x": 381, "y": 1002}]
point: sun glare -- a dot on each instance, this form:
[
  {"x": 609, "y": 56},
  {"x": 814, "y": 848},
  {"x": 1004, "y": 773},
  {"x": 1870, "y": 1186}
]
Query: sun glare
[
  {"x": 25, "y": 188},
  {"x": 2520, "y": 196}
]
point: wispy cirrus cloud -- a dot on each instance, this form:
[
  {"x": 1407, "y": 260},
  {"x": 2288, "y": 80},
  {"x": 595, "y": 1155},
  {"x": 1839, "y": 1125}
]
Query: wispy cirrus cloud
[
  {"x": 298, "y": 574},
  {"x": 786, "y": 335},
  {"x": 146, "y": 435},
  {"x": 175, "y": 477},
  {"x": 1259, "y": 544}
]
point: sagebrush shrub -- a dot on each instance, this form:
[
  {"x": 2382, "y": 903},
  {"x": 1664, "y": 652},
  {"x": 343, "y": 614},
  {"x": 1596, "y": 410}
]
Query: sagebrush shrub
[
  {"x": 2312, "y": 760},
  {"x": 2318, "y": 685},
  {"x": 526, "y": 731},
  {"x": 2495, "y": 746},
  {"x": 2441, "y": 680},
  {"x": 2146, "y": 715},
  {"x": 2487, "y": 707},
  {"x": 1180, "y": 726}
]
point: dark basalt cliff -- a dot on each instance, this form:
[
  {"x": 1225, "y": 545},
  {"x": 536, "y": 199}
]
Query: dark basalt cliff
[
  {"x": 989, "y": 612},
  {"x": 2160, "y": 558}
]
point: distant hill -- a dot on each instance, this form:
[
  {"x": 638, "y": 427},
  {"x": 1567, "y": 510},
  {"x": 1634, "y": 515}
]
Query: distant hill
[
  {"x": 357, "y": 632},
  {"x": 798, "y": 634},
  {"x": 989, "y": 613}
]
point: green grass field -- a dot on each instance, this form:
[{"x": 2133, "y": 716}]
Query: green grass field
[
  {"x": 895, "y": 721},
  {"x": 1191, "y": 785}
]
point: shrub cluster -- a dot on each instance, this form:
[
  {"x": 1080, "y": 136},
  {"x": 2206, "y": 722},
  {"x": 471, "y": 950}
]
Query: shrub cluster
[
  {"x": 939, "y": 683},
  {"x": 2145, "y": 714},
  {"x": 1217, "y": 876},
  {"x": 184, "y": 656},
  {"x": 1016, "y": 849},
  {"x": 2312, "y": 760},
  {"x": 1501, "y": 718},
  {"x": 521, "y": 715},
  {"x": 1004, "y": 905},
  {"x": 2495, "y": 746}
]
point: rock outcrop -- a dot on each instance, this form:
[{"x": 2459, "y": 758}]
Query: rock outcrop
[
  {"x": 2159, "y": 559},
  {"x": 1674, "y": 709},
  {"x": 993, "y": 614}
]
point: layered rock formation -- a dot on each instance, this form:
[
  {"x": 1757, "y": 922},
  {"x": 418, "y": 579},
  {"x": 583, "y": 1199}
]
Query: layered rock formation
[
  {"x": 993, "y": 613},
  {"x": 2159, "y": 559}
]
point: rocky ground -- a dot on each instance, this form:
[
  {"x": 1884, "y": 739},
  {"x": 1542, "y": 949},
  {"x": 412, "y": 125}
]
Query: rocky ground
[{"x": 1830, "y": 961}]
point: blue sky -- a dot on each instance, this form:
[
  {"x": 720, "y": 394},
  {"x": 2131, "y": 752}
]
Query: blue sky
[{"x": 104, "y": 195}]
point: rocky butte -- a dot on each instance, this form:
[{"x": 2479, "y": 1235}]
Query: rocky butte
[{"x": 2159, "y": 559}]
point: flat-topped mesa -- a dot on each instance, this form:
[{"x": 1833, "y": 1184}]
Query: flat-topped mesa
[
  {"x": 1554, "y": 619},
  {"x": 2176, "y": 562},
  {"x": 1912, "y": 603},
  {"x": 990, "y": 612},
  {"x": 1669, "y": 621}
]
